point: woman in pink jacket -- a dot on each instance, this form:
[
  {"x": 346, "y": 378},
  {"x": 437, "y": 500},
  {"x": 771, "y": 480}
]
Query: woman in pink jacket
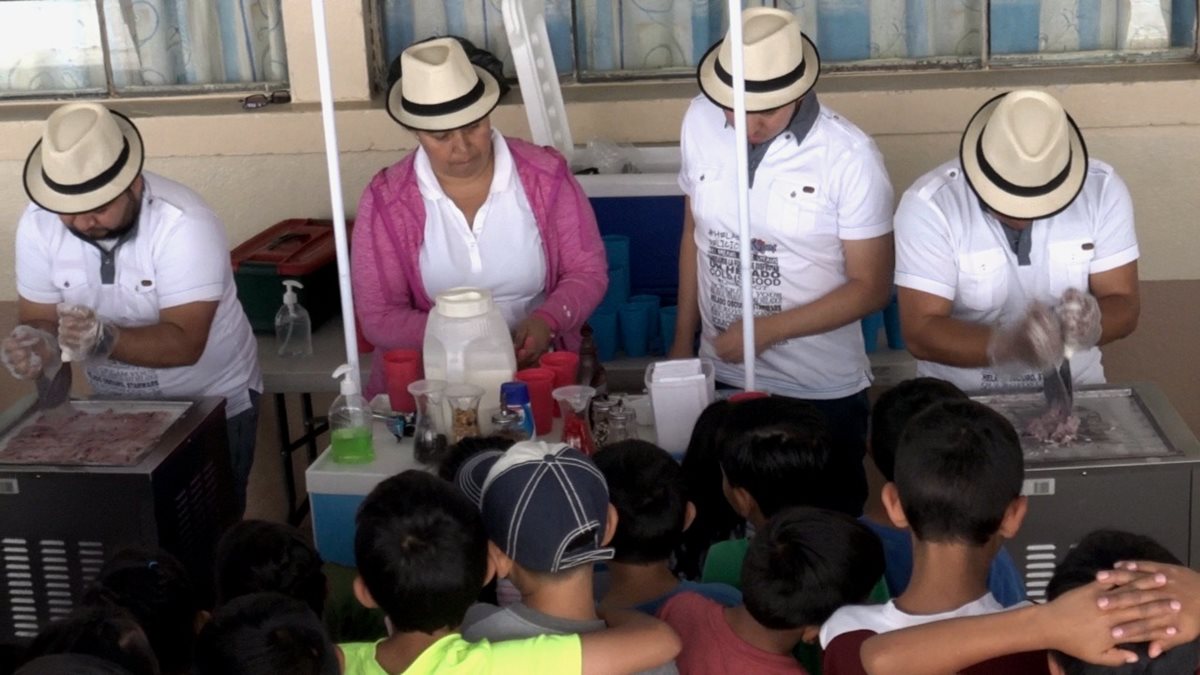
[{"x": 471, "y": 208}]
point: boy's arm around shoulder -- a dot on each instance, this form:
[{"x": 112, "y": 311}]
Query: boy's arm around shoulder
[
  {"x": 1076, "y": 623},
  {"x": 633, "y": 642}
]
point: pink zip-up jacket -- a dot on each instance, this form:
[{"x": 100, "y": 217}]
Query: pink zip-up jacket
[{"x": 390, "y": 300}]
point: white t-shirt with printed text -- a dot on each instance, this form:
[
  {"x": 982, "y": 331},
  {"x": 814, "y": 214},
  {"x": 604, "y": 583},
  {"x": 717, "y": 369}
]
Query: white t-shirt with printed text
[
  {"x": 178, "y": 255},
  {"x": 948, "y": 246},
  {"x": 807, "y": 199}
]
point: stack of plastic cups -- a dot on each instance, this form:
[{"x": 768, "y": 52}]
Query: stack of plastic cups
[
  {"x": 666, "y": 319},
  {"x": 650, "y": 305},
  {"x": 871, "y": 324},
  {"x": 604, "y": 331},
  {"x": 616, "y": 247},
  {"x": 635, "y": 329},
  {"x": 891, "y": 324},
  {"x": 604, "y": 320}
]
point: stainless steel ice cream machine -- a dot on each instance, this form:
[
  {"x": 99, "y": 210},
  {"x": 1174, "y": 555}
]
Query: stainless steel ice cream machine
[{"x": 1132, "y": 466}]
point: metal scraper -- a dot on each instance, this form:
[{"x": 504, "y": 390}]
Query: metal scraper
[
  {"x": 1059, "y": 389},
  {"x": 54, "y": 389}
]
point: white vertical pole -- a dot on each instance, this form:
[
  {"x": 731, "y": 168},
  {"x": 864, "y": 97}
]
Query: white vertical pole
[
  {"x": 743, "y": 189},
  {"x": 337, "y": 203}
]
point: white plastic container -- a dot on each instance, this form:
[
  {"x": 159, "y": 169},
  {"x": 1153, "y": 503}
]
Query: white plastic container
[
  {"x": 467, "y": 340},
  {"x": 679, "y": 391}
]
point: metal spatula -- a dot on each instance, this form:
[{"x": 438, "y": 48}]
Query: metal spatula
[
  {"x": 1058, "y": 388},
  {"x": 54, "y": 389}
]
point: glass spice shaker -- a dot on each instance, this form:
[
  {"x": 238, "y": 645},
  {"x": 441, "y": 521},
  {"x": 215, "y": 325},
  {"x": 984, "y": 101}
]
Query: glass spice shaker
[
  {"x": 600, "y": 408},
  {"x": 622, "y": 424}
]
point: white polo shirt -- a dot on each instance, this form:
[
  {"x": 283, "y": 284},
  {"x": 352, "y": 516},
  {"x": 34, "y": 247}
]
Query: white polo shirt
[
  {"x": 502, "y": 249},
  {"x": 178, "y": 255},
  {"x": 806, "y": 200},
  {"x": 948, "y": 246}
]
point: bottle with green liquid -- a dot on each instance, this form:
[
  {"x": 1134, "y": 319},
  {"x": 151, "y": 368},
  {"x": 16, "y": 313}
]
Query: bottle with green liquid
[{"x": 350, "y": 422}]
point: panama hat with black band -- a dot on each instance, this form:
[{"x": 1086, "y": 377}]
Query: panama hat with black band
[
  {"x": 1023, "y": 155},
  {"x": 781, "y": 63},
  {"x": 87, "y": 157},
  {"x": 439, "y": 89}
]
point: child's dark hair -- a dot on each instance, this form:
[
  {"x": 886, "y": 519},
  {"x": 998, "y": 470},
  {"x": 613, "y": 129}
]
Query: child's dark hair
[
  {"x": 157, "y": 590},
  {"x": 257, "y": 555},
  {"x": 645, "y": 485},
  {"x": 75, "y": 664},
  {"x": 701, "y": 467},
  {"x": 1101, "y": 550},
  {"x": 895, "y": 408},
  {"x": 467, "y": 448},
  {"x": 421, "y": 551},
  {"x": 264, "y": 634},
  {"x": 958, "y": 468},
  {"x": 805, "y": 564},
  {"x": 780, "y": 450},
  {"x": 109, "y": 633}
]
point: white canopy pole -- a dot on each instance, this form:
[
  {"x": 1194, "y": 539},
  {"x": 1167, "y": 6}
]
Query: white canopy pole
[
  {"x": 743, "y": 189},
  {"x": 336, "y": 200}
]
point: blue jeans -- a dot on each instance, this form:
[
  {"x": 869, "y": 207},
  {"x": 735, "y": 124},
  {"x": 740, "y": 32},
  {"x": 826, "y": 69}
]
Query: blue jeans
[{"x": 243, "y": 431}]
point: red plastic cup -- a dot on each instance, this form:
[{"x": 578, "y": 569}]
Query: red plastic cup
[
  {"x": 402, "y": 367},
  {"x": 541, "y": 383},
  {"x": 566, "y": 370}
]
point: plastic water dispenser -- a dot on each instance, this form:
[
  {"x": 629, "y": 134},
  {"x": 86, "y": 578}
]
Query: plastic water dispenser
[{"x": 467, "y": 340}]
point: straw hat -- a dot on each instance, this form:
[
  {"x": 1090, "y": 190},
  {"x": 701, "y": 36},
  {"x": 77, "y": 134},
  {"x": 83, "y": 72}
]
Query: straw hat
[
  {"x": 1023, "y": 155},
  {"x": 781, "y": 63},
  {"x": 439, "y": 89},
  {"x": 86, "y": 158}
]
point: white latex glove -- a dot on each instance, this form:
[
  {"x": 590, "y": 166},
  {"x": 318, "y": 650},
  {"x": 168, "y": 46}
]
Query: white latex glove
[
  {"x": 1033, "y": 343},
  {"x": 1079, "y": 313},
  {"x": 84, "y": 336},
  {"x": 28, "y": 352}
]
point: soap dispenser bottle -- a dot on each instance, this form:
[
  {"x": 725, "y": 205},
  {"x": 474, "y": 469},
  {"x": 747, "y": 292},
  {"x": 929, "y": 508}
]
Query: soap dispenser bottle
[
  {"x": 293, "y": 328},
  {"x": 350, "y": 422}
]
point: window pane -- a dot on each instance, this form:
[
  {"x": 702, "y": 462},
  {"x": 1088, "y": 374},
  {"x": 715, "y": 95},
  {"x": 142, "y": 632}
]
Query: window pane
[
  {"x": 1058, "y": 26},
  {"x": 480, "y": 21},
  {"x": 647, "y": 35},
  {"x": 665, "y": 35},
  {"x": 156, "y": 43},
  {"x": 50, "y": 46},
  {"x": 858, "y": 30}
]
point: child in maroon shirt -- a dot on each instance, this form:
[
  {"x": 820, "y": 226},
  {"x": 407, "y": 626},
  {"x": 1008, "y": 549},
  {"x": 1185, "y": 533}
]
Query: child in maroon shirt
[{"x": 804, "y": 564}]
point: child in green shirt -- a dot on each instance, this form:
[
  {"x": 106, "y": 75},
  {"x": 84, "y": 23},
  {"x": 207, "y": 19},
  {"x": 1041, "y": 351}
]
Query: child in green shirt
[{"x": 422, "y": 558}]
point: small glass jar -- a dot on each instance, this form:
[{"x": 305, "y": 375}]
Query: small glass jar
[
  {"x": 429, "y": 440},
  {"x": 600, "y": 408},
  {"x": 622, "y": 424},
  {"x": 464, "y": 409}
]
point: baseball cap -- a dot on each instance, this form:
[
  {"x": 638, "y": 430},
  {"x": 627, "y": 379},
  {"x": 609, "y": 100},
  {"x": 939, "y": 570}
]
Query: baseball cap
[
  {"x": 545, "y": 505},
  {"x": 473, "y": 472}
]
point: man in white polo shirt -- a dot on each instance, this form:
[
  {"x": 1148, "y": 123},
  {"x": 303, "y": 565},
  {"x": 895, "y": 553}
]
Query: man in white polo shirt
[
  {"x": 129, "y": 273},
  {"x": 1020, "y": 251},
  {"x": 820, "y": 217}
]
